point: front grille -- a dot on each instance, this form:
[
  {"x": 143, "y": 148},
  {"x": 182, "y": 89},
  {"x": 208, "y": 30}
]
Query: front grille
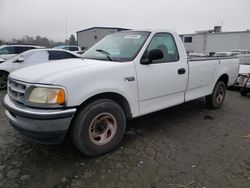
[{"x": 16, "y": 90}]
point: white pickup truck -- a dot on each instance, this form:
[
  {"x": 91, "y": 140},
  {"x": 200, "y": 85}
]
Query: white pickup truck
[{"x": 125, "y": 75}]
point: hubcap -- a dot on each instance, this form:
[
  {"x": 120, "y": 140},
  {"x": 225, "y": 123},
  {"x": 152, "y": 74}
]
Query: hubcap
[
  {"x": 102, "y": 128},
  {"x": 220, "y": 95}
]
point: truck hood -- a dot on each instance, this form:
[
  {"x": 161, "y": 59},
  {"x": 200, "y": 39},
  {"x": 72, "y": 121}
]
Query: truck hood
[
  {"x": 47, "y": 73},
  {"x": 244, "y": 69}
]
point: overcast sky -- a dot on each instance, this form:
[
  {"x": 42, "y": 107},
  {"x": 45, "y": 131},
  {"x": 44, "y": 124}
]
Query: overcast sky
[{"x": 48, "y": 17}]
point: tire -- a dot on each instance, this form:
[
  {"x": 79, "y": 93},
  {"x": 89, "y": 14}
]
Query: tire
[
  {"x": 243, "y": 91},
  {"x": 3, "y": 80},
  {"x": 216, "y": 99},
  {"x": 99, "y": 127}
]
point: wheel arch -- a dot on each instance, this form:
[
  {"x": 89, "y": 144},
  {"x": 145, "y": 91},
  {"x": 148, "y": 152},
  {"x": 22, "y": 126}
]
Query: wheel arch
[
  {"x": 224, "y": 78},
  {"x": 5, "y": 71},
  {"x": 118, "y": 98}
]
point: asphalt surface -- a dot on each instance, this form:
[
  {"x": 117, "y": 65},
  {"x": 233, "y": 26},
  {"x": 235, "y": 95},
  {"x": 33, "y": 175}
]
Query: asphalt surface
[{"x": 184, "y": 146}]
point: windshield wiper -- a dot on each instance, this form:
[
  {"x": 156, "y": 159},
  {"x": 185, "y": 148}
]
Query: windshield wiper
[{"x": 105, "y": 53}]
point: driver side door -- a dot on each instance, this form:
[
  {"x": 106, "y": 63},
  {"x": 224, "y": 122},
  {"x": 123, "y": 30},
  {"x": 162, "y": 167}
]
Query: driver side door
[{"x": 163, "y": 82}]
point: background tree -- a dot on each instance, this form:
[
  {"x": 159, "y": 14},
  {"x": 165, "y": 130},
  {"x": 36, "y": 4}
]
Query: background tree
[
  {"x": 38, "y": 40},
  {"x": 72, "y": 40},
  {"x": 45, "y": 42}
]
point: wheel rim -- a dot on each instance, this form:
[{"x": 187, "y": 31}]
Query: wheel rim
[
  {"x": 3, "y": 81},
  {"x": 220, "y": 95},
  {"x": 102, "y": 128}
]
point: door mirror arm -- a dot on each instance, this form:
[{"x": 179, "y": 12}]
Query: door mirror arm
[
  {"x": 145, "y": 61},
  {"x": 19, "y": 60}
]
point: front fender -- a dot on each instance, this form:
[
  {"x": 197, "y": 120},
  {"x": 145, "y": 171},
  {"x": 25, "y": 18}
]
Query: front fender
[{"x": 84, "y": 85}]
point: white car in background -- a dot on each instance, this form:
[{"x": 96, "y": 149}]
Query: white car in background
[
  {"x": 241, "y": 51},
  {"x": 8, "y": 51},
  {"x": 31, "y": 57},
  {"x": 72, "y": 48},
  {"x": 194, "y": 54},
  {"x": 244, "y": 59},
  {"x": 226, "y": 54}
]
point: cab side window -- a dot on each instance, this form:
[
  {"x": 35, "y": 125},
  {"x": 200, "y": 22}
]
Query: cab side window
[
  {"x": 7, "y": 50},
  {"x": 21, "y": 49},
  {"x": 166, "y": 43},
  {"x": 57, "y": 55}
]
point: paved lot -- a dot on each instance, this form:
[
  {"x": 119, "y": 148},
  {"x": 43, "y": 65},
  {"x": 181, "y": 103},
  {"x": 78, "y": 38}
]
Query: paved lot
[{"x": 184, "y": 146}]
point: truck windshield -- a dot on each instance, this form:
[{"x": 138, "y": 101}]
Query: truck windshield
[{"x": 121, "y": 46}]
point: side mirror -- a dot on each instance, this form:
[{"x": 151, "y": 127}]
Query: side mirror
[
  {"x": 154, "y": 54},
  {"x": 19, "y": 60},
  {"x": 2, "y": 60}
]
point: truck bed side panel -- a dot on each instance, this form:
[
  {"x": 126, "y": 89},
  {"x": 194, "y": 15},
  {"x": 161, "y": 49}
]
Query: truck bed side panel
[
  {"x": 204, "y": 73},
  {"x": 201, "y": 76},
  {"x": 231, "y": 66}
]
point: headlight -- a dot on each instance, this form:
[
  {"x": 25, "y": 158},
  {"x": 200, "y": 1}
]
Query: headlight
[{"x": 49, "y": 96}]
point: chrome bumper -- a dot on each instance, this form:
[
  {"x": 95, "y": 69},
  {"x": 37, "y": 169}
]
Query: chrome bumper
[{"x": 39, "y": 125}]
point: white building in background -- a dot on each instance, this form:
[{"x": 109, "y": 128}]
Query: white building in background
[
  {"x": 211, "y": 41},
  {"x": 88, "y": 37}
]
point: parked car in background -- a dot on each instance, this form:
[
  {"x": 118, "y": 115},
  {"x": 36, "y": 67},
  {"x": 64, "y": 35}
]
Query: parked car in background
[
  {"x": 243, "y": 55},
  {"x": 125, "y": 75},
  {"x": 244, "y": 59},
  {"x": 72, "y": 48},
  {"x": 240, "y": 51},
  {"x": 8, "y": 51},
  {"x": 31, "y": 57},
  {"x": 226, "y": 54},
  {"x": 194, "y": 54}
]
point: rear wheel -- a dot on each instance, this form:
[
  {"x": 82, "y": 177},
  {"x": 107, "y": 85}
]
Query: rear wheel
[
  {"x": 216, "y": 99},
  {"x": 99, "y": 127},
  {"x": 3, "y": 80}
]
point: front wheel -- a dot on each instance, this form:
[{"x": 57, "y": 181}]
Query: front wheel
[
  {"x": 216, "y": 99},
  {"x": 3, "y": 80},
  {"x": 99, "y": 127}
]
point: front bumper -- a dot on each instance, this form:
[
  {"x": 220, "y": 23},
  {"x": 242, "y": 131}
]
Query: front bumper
[{"x": 39, "y": 125}]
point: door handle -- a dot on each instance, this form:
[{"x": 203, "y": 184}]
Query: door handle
[{"x": 181, "y": 71}]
